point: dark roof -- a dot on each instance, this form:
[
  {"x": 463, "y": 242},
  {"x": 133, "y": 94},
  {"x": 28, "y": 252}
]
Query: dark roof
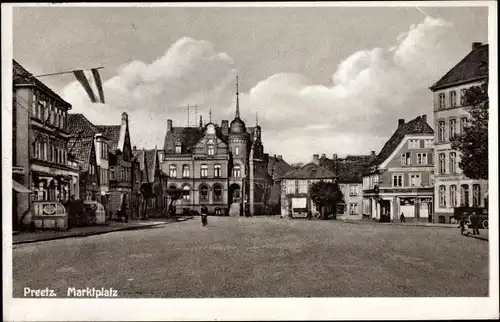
[
  {"x": 349, "y": 169},
  {"x": 473, "y": 66},
  {"x": 415, "y": 126},
  {"x": 20, "y": 76},
  {"x": 187, "y": 136},
  {"x": 151, "y": 164},
  {"x": 81, "y": 149},
  {"x": 78, "y": 122},
  {"x": 310, "y": 171},
  {"x": 112, "y": 132},
  {"x": 277, "y": 167}
]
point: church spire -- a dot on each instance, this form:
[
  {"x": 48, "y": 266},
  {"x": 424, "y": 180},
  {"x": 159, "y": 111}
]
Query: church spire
[
  {"x": 256, "y": 118},
  {"x": 237, "y": 99},
  {"x": 210, "y": 116}
]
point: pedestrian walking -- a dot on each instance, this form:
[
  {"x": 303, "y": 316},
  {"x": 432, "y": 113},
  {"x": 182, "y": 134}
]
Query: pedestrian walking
[
  {"x": 204, "y": 215},
  {"x": 475, "y": 223},
  {"x": 402, "y": 217}
]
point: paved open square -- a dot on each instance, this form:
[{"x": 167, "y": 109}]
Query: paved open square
[{"x": 260, "y": 257}]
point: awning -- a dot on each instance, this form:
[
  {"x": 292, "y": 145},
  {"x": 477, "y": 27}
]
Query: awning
[{"x": 19, "y": 187}]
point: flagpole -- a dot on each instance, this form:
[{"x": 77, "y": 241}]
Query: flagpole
[{"x": 61, "y": 73}]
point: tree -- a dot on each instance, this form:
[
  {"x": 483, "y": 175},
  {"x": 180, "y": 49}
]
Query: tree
[
  {"x": 174, "y": 194},
  {"x": 473, "y": 144},
  {"x": 326, "y": 194}
]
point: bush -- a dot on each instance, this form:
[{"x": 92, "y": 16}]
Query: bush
[{"x": 80, "y": 214}]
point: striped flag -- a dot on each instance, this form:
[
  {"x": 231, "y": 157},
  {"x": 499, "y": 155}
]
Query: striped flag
[{"x": 92, "y": 83}]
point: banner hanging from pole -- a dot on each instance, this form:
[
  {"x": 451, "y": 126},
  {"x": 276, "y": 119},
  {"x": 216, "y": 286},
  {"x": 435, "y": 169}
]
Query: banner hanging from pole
[{"x": 92, "y": 83}]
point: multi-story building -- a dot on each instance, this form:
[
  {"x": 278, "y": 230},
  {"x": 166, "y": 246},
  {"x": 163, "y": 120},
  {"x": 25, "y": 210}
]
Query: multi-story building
[
  {"x": 277, "y": 167},
  {"x": 40, "y": 147},
  {"x": 452, "y": 187},
  {"x": 82, "y": 129},
  {"x": 83, "y": 152},
  {"x": 295, "y": 198},
  {"x": 400, "y": 178},
  {"x": 222, "y": 167},
  {"x": 349, "y": 173}
]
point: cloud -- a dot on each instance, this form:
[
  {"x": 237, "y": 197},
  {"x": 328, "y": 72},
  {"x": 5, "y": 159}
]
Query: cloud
[{"x": 355, "y": 113}]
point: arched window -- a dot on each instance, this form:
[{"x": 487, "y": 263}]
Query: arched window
[
  {"x": 185, "y": 171},
  {"x": 453, "y": 128},
  {"x": 217, "y": 171},
  {"x": 453, "y": 162},
  {"x": 172, "y": 171},
  {"x": 237, "y": 150},
  {"x": 237, "y": 171},
  {"x": 442, "y": 196},
  {"x": 217, "y": 192},
  {"x": 203, "y": 192},
  {"x": 441, "y": 131},
  {"x": 178, "y": 148},
  {"x": 476, "y": 195},
  {"x": 186, "y": 192},
  {"x": 204, "y": 171},
  {"x": 210, "y": 147},
  {"x": 442, "y": 163},
  {"x": 464, "y": 195},
  {"x": 463, "y": 124},
  {"x": 453, "y": 196}
]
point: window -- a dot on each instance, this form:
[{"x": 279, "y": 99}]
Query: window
[
  {"x": 204, "y": 171},
  {"x": 172, "y": 171},
  {"x": 397, "y": 180},
  {"x": 104, "y": 150},
  {"x": 413, "y": 144},
  {"x": 353, "y": 190},
  {"x": 186, "y": 195},
  {"x": 63, "y": 116},
  {"x": 406, "y": 158},
  {"x": 203, "y": 193},
  {"x": 462, "y": 96},
  {"x": 476, "y": 195},
  {"x": 428, "y": 144},
  {"x": 302, "y": 185},
  {"x": 415, "y": 180},
  {"x": 185, "y": 171},
  {"x": 42, "y": 104},
  {"x": 453, "y": 128},
  {"x": 464, "y": 195},
  {"x": 463, "y": 124},
  {"x": 453, "y": 162},
  {"x": 34, "y": 109},
  {"x": 442, "y": 163},
  {"x": 217, "y": 192},
  {"x": 441, "y": 131},
  {"x": 237, "y": 150},
  {"x": 453, "y": 196},
  {"x": 290, "y": 186},
  {"x": 442, "y": 196},
  {"x": 421, "y": 158},
  {"x": 442, "y": 101},
  {"x": 237, "y": 171},
  {"x": 122, "y": 174},
  {"x": 112, "y": 173},
  {"x": 353, "y": 208},
  {"x": 453, "y": 99},
  {"x": 211, "y": 147},
  {"x": 217, "y": 171},
  {"x": 178, "y": 148}
]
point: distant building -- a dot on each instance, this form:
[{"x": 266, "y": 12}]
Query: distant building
[
  {"x": 277, "y": 167},
  {"x": 452, "y": 187},
  {"x": 400, "y": 179},
  {"x": 40, "y": 148},
  {"x": 349, "y": 172},
  {"x": 295, "y": 198},
  {"x": 222, "y": 167},
  {"x": 83, "y": 152}
]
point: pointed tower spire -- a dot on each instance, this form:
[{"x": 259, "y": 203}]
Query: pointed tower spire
[
  {"x": 256, "y": 118},
  {"x": 237, "y": 99},
  {"x": 210, "y": 116}
]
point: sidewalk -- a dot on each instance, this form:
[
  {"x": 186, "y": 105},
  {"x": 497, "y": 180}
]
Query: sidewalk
[
  {"x": 420, "y": 224},
  {"x": 44, "y": 235}
]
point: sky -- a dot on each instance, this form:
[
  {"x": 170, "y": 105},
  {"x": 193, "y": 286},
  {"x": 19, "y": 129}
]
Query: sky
[{"x": 331, "y": 80}]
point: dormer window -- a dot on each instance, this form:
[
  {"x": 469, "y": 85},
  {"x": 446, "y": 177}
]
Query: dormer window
[
  {"x": 237, "y": 150},
  {"x": 178, "y": 148},
  {"x": 210, "y": 147}
]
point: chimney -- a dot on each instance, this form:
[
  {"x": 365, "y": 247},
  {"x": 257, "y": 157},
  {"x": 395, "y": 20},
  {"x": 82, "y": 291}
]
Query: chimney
[
  {"x": 372, "y": 153},
  {"x": 135, "y": 147},
  {"x": 316, "y": 159},
  {"x": 201, "y": 121},
  {"x": 169, "y": 125},
  {"x": 225, "y": 127},
  {"x": 424, "y": 118},
  {"x": 323, "y": 155},
  {"x": 280, "y": 157},
  {"x": 334, "y": 157},
  {"x": 124, "y": 118},
  {"x": 401, "y": 122},
  {"x": 476, "y": 45}
]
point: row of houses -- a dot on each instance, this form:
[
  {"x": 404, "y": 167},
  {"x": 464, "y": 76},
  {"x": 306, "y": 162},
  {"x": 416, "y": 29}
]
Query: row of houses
[
  {"x": 416, "y": 173},
  {"x": 59, "y": 156}
]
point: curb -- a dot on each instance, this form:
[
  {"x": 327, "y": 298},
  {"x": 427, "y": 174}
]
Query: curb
[{"x": 399, "y": 224}]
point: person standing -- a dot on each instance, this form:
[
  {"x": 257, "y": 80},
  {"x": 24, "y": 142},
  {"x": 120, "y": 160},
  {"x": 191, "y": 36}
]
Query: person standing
[
  {"x": 204, "y": 215},
  {"x": 475, "y": 224},
  {"x": 402, "y": 217}
]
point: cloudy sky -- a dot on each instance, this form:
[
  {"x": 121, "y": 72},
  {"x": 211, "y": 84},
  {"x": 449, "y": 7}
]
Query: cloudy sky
[{"x": 323, "y": 80}]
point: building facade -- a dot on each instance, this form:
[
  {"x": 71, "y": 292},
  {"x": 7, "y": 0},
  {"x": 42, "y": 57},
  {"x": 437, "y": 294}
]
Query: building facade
[
  {"x": 349, "y": 173},
  {"x": 452, "y": 188},
  {"x": 221, "y": 167},
  {"x": 83, "y": 152},
  {"x": 40, "y": 145},
  {"x": 400, "y": 179},
  {"x": 295, "y": 185}
]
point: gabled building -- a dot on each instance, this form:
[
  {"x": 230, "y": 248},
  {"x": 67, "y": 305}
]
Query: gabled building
[
  {"x": 295, "y": 185},
  {"x": 452, "y": 187},
  {"x": 120, "y": 166},
  {"x": 349, "y": 172},
  {"x": 140, "y": 184},
  {"x": 400, "y": 179},
  {"x": 157, "y": 179},
  {"x": 277, "y": 167},
  {"x": 83, "y": 152},
  {"x": 221, "y": 167}
]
